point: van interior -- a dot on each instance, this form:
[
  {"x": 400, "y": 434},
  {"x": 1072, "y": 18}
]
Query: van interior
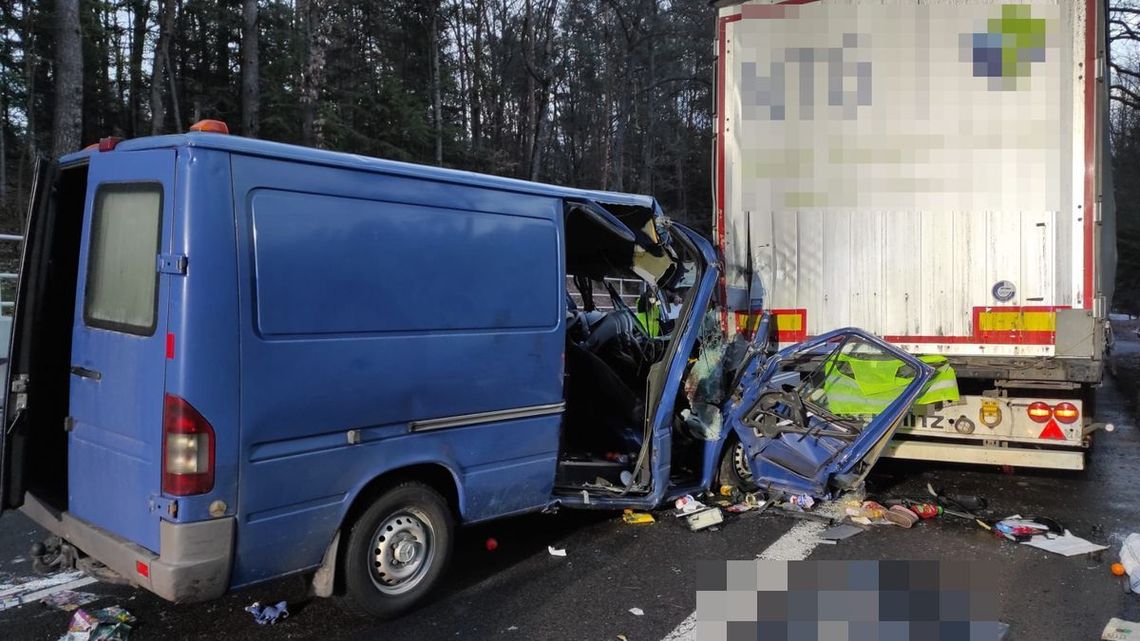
[{"x": 617, "y": 348}]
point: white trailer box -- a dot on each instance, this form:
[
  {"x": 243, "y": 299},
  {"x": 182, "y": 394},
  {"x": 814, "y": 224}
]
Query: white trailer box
[{"x": 936, "y": 173}]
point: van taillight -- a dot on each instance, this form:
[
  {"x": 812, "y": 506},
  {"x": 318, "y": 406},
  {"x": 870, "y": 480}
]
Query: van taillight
[{"x": 187, "y": 449}]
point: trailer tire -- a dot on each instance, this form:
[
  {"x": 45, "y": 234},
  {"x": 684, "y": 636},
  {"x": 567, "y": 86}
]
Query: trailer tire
[{"x": 396, "y": 551}]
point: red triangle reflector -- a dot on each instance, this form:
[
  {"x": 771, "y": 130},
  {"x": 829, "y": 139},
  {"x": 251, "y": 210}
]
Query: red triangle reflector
[{"x": 1053, "y": 431}]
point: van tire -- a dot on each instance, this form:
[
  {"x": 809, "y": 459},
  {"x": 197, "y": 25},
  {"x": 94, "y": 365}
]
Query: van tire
[
  {"x": 423, "y": 521},
  {"x": 730, "y": 472}
]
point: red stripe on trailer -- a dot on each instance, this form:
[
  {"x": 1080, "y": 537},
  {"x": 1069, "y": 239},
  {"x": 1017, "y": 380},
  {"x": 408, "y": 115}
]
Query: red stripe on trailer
[{"x": 1090, "y": 145}]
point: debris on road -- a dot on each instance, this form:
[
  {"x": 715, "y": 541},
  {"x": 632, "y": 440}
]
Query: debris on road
[
  {"x": 68, "y": 600},
  {"x": 1120, "y": 630},
  {"x": 1130, "y": 559},
  {"x": 556, "y": 551},
  {"x": 704, "y": 518},
  {"x": 18, "y": 591},
  {"x": 840, "y": 532},
  {"x": 1066, "y": 544},
  {"x": 112, "y": 623},
  {"x": 687, "y": 504},
  {"x": 803, "y": 501},
  {"x": 637, "y": 518},
  {"x": 270, "y": 614},
  {"x": 637, "y": 612}
]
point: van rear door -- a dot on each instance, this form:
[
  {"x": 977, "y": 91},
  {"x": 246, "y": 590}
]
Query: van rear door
[
  {"x": 26, "y": 315},
  {"x": 119, "y": 345}
]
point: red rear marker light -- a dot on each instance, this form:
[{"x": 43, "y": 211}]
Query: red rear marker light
[
  {"x": 210, "y": 126},
  {"x": 108, "y": 143},
  {"x": 142, "y": 568},
  {"x": 187, "y": 449},
  {"x": 1039, "y": 412},
  {"x": 1066, "y": 413}
]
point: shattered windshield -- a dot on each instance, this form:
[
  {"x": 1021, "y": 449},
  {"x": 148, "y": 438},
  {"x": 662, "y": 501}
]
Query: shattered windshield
[{"x": 850, "y": 378}]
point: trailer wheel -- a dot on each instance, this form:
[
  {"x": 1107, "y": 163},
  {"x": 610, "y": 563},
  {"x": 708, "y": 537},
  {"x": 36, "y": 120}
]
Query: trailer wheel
[
  {"x": 396, "y": 551},
  {"x": 733, "y": 469}
]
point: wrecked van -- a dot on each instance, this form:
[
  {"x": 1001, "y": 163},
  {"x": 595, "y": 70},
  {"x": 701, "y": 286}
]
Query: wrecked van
[{"x": 235, "y": 360}]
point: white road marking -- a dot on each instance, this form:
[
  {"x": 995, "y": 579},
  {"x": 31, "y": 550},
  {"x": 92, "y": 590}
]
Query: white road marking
[
  {"x": 15, "y": 594},
  {"x": 795, "y": 545}
]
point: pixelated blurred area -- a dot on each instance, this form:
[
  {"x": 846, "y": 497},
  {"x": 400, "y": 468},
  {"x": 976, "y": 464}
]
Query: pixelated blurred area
[
  {"x": 850, "y": 600},
  {"x": 905, "y": 107}
]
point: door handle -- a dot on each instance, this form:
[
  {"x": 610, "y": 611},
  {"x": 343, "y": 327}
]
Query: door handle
[{"x": 86, "y": 373}]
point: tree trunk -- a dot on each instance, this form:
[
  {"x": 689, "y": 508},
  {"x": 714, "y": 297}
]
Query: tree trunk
[
  {"x": 436, "y": 100},
  {"x": 477, "y": 79},
  {"x": 315, "y": 27},
  {"x": 528, "y": 124},
  {"x": 68, "y": 117},
  {"x": 141, "y": 12},
  {"x": 250, "y": 97},
  {"x": 161, "y": 58},
  {"x": 647, "y": 147}
]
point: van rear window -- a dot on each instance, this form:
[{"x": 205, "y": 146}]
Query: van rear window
[{"x": 122, "y": 278}]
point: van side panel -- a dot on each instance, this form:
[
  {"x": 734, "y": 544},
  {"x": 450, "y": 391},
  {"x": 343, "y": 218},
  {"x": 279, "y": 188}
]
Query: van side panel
[
  {"x": 370, "y": 301},
  {"x": 203, "y": 363}
]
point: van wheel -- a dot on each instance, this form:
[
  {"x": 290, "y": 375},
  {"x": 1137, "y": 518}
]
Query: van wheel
[
  {"x": 733, "y": 469},
  {"x": 396, "y": 552}
]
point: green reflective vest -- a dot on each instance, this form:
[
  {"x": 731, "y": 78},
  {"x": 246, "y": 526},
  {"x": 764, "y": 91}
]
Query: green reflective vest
[{"x": 857, "y": 386}]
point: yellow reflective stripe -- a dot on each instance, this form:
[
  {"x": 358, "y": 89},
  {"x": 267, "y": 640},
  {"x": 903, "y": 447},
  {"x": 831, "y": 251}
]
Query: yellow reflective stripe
[
  {"x": 789, "y": 322},
  {"x": 1020, "y": 321}
]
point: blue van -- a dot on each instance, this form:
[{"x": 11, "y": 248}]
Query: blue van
[{"x": 234, "y": 360}]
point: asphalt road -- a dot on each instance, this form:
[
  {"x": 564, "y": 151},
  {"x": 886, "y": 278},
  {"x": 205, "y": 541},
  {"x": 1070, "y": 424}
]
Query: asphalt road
[{"x": 520, "y": 591}]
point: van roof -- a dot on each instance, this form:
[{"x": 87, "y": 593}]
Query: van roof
[{"x": 297, "y": 153}]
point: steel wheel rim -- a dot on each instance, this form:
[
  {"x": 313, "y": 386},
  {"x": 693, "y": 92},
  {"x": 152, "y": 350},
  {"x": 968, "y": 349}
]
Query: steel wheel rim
[
  {"x": 740, "y": 462},
  {"x": 402, "y": 551}
]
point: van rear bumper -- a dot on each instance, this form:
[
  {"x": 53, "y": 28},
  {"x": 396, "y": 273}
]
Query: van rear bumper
[{"x": 195, "y": 559}]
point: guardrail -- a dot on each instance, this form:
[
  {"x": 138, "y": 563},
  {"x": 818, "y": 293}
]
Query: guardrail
[
  {"x": 629, "y": 289},
  {"x": 7, "y": 305}
]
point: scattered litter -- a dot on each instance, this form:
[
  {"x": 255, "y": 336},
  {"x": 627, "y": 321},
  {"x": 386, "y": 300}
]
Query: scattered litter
[
  {"x": 622, "y": 637},
  {"x": 108, "y": 624},
  {"x": 901, "y": 516},
  {"x": 637, "y": 612},
  {"x": 828, "y": 542},
  {"x": 512, "y": 628},
  {"x": 687, "y": 504},
  {"x": 636, "y": 518},
  {"x": 926, "y": 510},
  {"x": 68, "y": 600},
  {"x": 1130, "y": 559},
  {"x": 1018, "y": 528},
  {"x": 704, "y": 518},
  {"x": 491, "y": 544},
  {"x": 1065, "y": 545},
  {"x": 556, "y": 551},
  {"x": 270, "y": 614},
  {"x": 840, "y": 532},
  {"x": 1120, "y": 630},
  {"x": 803, "y": 501},
  {"x": 1003, "y": 629}
]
